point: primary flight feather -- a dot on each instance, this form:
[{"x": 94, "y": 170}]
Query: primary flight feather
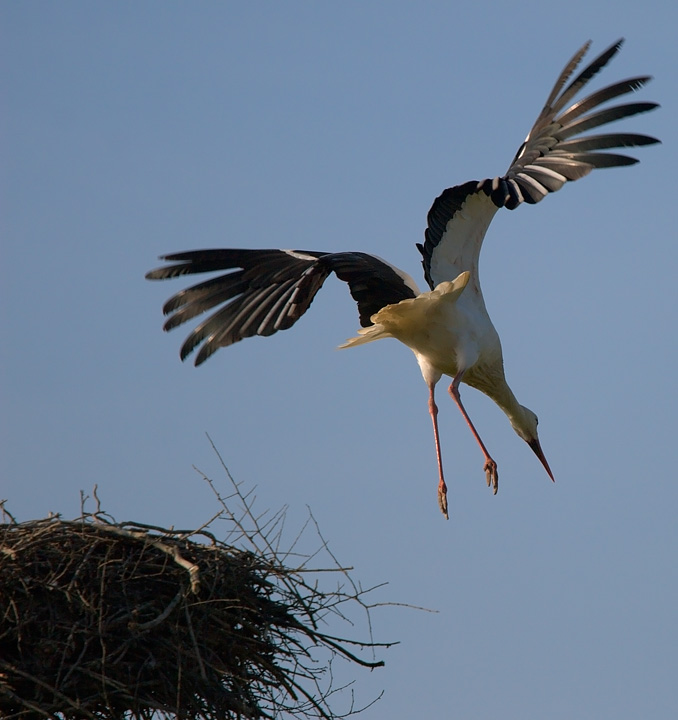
[{"x": 448, "y": 327}]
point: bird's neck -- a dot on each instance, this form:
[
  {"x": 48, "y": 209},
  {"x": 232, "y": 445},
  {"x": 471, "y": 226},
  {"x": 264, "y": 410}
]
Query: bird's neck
[
  {"x": 508, "y": 403},
  {"x": 517, "y": 414},
  {"x": 499, "y": 391}
]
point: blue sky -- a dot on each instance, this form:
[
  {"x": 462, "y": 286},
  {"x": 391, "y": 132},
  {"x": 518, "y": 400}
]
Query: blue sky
[{"x": 135, "y": 129}]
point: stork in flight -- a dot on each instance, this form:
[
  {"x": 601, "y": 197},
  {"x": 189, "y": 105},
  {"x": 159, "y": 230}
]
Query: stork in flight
[{"x": 447, "y": 328}]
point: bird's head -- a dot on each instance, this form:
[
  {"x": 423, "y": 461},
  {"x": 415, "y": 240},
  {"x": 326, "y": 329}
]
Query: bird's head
[{"x": 525, "y": 424}]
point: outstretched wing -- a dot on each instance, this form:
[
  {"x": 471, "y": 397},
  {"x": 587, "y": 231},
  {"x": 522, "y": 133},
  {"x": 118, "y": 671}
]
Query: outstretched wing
[
  {"x": 269, "y": 290},
  {"x": 554, "y": 152}
]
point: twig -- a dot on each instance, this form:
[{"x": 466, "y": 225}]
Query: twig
[{"x": 160, "y": 618}]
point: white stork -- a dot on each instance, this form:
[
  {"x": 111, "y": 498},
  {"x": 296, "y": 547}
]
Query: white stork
[{"x": 447, "y": 328}]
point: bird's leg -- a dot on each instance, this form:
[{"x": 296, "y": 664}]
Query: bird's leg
[
  {"x": 442, "y": 487},
  {"x": 490, "y": 467}
]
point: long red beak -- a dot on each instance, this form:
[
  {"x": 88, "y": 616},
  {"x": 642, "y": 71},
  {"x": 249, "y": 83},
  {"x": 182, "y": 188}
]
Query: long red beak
[{"x": 536, "y": 448}]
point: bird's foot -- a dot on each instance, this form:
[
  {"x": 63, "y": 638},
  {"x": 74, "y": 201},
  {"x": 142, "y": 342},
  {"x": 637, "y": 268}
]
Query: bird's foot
[
  {"x": 442, "y": 499},
  {"x": 492, "y": 474}
]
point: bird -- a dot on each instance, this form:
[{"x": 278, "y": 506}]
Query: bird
[{"x": 447, "y": 327}]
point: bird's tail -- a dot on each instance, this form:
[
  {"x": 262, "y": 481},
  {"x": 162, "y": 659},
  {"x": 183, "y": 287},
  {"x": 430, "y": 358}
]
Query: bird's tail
[
  {"x": 365, "y": 335},
  {"x": 400, "y": 320}
]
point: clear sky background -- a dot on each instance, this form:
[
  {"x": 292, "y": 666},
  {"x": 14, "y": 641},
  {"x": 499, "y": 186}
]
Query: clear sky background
[{"x": 132, "y": 129}]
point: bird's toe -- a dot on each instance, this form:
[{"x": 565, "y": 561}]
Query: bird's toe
[
  {"x": 492, "y": 475},
  {"x": 442, "y": 500}
]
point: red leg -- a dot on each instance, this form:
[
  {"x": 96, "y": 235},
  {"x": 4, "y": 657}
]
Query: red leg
[
  {"x": 442, "y": 487},
  {"x": 490, "y": 466}
]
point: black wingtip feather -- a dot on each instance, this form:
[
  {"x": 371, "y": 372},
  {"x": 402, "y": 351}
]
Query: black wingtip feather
[
  {"x": 264, "y": 291},
  {"x": 555, "y": 143}
]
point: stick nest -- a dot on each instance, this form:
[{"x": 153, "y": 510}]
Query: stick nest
[{"x": 100, "y": 619}]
